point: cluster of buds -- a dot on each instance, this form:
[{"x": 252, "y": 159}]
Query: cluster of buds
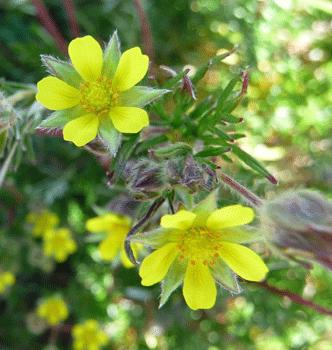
[
  {"x": 299, "y": 223},
  {"x": 169, "y": 167}
]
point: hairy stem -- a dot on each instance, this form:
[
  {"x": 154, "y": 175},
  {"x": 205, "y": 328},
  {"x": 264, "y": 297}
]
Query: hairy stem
[
  {"x": 244, "y": 192},
  {"x": 72, "y": 17},
  {"x": 294, "y": 297}
]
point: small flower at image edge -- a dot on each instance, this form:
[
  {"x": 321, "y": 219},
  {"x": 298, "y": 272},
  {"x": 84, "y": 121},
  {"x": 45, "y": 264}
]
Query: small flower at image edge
[
  {"x": 7, "y": 279},
  {"x": 53, "y": 310},
  {"x": 200, "y": 248},
  {"x": 59, "y": 244},
  {"x": 98, "y": 92},
  {"x": 116, "y": 227},
  {"x": 88, "y": 336},
  {"x": 43, "y": 221}
]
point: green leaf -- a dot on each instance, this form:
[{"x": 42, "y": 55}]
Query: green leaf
[
  {"x": 157, "y": 238},
  {"x": 62, "y": 117},
  {"x": 139, "y": 96},
  {"x": 151, "y": 142},
  {"x": 111, "y": 57},
  {"x": 3, "y": 139},
  {"x": 252, "y": 162},
  {"x": 110, "y": 136},
  {"x": 224, "y": 276},
  {"x": 225, "y": 95},
  {"x": 174, "y": 277},
  {"x": 212, "y": 151},
  {"x": 216, "y": 131},
  {"x": 158, "y": 109},
  {"x": 63, "y": 71},
  {"x": 171, "y": 82},
  {"x": 201, "y": 109},
  {"x": 227, "y": 117},
  {"x": 201, "y": 71}
]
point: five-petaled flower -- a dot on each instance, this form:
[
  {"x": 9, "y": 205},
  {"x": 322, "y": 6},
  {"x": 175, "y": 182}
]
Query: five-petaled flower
[
  {"x": 201, "y": 248},
  {"x": 98, "y": 92},
  {"x": 42, "y": 221},
  {"x": 116, "y": 227}
]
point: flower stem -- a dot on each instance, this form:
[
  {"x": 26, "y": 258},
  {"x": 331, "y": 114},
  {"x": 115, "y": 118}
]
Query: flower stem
[
  {"x": 7, "y": 162},
  {"x": 294, "y": 297},
  {"x": 244, "y": 192},
  {"x": 154, "y": 207},
  {"x": 72, "y": 17}
]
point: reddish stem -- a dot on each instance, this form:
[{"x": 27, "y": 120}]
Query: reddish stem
[
  {"x": 48, "y": 23},
  {"x": 294, "y": 297},
  {"x": 72, "y": 17},
  {"x": 49, "y": 132},
  {"x": 146, "y": 32}
]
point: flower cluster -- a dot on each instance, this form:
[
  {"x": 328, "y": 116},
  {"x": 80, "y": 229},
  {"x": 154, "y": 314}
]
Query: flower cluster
[
  {"x": 6, "y": 279},
  {"x": 59, "y": 244},
  {"x": 53, "y": 310},
  {"x": 97, "y": 93},
  {"x": 88, "y": 336},
  {"x": 116, "y": 228},
  {"x": 42, "y": 222},
  {"x": 200, "y": 248}
]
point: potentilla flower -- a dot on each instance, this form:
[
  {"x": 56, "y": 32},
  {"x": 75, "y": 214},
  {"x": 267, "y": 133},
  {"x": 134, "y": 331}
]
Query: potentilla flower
[
  {"x": 7, "y": 279},
  {"x": 88, "y": 336},
  {"x": 201, "y": 248},
  {"x": 116, "y": 227},
  {"x": 53, "y": 310},
  {"x": 59, "y": 244},
  {"x": 42, "y": 222},
  {"x": 97, "y": 92}
]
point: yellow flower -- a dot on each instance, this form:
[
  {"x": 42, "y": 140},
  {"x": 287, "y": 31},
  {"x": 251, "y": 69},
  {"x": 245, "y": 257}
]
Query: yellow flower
[
  {"x": 200, "y": 248},
  {"x": 88, "y": 336},
  {"x": 53, "y": 310},
  {"x": 117, "y": 228},
  {"x": 100, "y": 90},
  {"x": 59, "y": 244},
  {"x": 6, "y": 279},
  {"x": 43, "y": 221}
]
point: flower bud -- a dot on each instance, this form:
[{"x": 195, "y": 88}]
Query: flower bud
[{"x": 299, "y": 223}]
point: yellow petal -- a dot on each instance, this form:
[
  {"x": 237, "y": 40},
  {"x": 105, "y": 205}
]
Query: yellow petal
[
  {"x": 243, "y": 261},
  {"x": 131, "y": 69},
  {"x": 182, "y": 220},
  {"x": 233, "y": 215},
  {"x": 109, "y": 247},
  {"x": 55, "y": 94},
  {"x": 106, "y": 222},
  {"x": 87, "y": 57},
  {"x": 155, "y": 266},
  {"x": 81, "y": 130},
  {"x": 129, "y": 119},
  {"x": 199, "y": 289}
]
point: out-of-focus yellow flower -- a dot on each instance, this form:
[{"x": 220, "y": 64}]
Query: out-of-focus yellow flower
[
  {"x": 53, "y": 310},
  {"x": 88, "y": 336},
  {"x": 59, "y": 244},
  {"x": 117, "y": 228},
  {"x": 6, "y": 279},
  {"x": 43, "y": 221}
]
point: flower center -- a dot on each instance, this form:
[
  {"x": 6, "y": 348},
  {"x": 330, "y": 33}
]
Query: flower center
[
  {"x": 200, "y": 243},
  {"x": 99, "y": 96}
]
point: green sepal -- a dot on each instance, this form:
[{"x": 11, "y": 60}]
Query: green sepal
[
  {"x": 250, "y": 161},
  {"x": 3, "y": 140},
  {"x": 205, "y": 208},
  {"x": 224, "y": 276},
  {"x": 212, "y": 151},
  {"x": 157, "y": 238},
  {"x": 111, "y": 57},
  {"x": 62, "y": 117},
  {"x": 240, "y": 235},
  {"x": 62, "y": 70},
  {"x": 110, "y": 136},
  {"x": 139, "y": 96},
  {"x": 174, "y": 277}
]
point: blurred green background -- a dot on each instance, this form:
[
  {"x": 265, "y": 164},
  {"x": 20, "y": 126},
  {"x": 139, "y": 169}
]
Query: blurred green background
[{"x": 287, "y": 121}]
